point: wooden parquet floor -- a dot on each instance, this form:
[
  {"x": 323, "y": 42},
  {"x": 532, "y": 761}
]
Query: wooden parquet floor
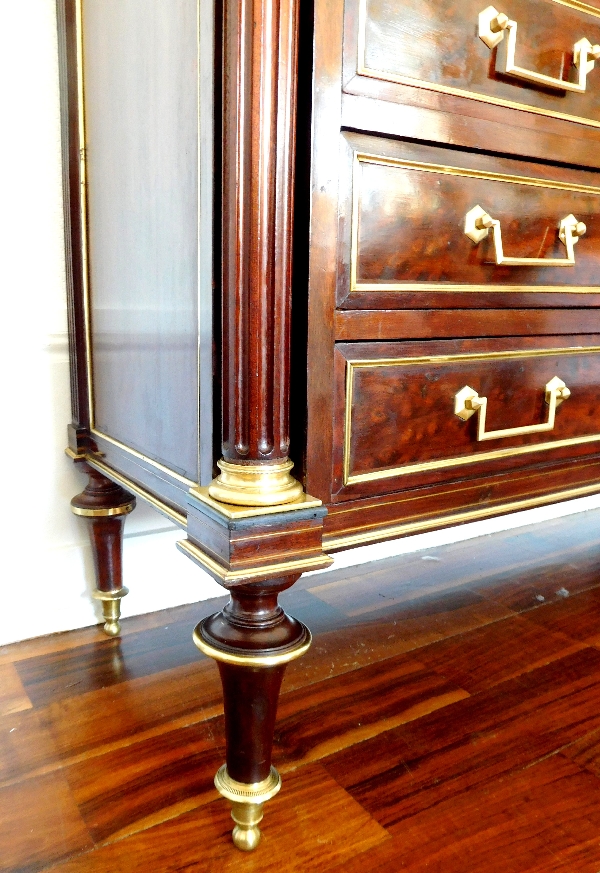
[{"x": 447, "y": 718}]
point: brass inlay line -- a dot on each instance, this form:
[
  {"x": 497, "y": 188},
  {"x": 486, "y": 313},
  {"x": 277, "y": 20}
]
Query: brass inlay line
[
  {"x": 383, "y": 75},
  {"x": 269, "y": 535},
  {"x": 488, "y": 175},
  {"x": 447, "y": 170},
  {"x": 364, "y": 537},
  {"x": 580, "y": 7},
  {"x": 444, "y": 463}
]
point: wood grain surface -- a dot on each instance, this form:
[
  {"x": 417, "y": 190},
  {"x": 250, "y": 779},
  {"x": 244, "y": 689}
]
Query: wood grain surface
[{"x": 446, "y": 718}]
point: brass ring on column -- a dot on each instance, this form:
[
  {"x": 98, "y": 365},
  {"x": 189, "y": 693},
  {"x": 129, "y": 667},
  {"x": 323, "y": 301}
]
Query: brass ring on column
[
  {"x": 250, "y": 660},
  {"x": 103, "y": 512}
]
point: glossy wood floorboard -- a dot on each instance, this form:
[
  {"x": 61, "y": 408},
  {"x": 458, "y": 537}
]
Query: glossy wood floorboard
[{"x": 446, "y": 718}]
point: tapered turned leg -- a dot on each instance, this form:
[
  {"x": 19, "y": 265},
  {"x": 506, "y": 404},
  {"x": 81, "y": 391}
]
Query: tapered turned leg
[
  {"x": 104, "y": 505},
  {"x": 252, "y": 640}
]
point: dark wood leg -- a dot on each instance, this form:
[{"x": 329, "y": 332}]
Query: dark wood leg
[
  {"x": 252, "y": 640},
  {"x": 104, "y": 505}
]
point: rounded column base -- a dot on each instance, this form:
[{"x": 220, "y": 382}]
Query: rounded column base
[{"x": 255, "y": 484}]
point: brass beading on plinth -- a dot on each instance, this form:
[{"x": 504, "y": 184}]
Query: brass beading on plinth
[
  {"x": 247, "y": 800},
  {"x": 255, "y": 484}
]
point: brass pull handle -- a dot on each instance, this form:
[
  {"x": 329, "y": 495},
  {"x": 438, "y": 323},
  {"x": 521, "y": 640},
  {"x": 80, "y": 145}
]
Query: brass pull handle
[
  {"x": 478, "y": 224},
  {"x": 493, "y": 25},
  {"x": 468, "y": 402}
]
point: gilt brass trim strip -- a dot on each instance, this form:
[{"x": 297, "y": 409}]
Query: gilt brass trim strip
[
  {"x": 363, "y": 70},
  {"x": 444, "y": 463},
  {"x": 365, "y": 537},
  {"x": 281, "y": 568},
  {"x": 448, "y": 170},
  {"x": 178, "y": 517},
  {"x": 580, "y": 7},
  {"x": 248, "y": 660}
]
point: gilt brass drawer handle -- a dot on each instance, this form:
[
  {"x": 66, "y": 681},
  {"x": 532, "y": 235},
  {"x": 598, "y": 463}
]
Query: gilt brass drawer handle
[
  {"x": 468, "y": 402},
  {"x": 492, "y": 25},
  {"x": 478, "y": 223}
]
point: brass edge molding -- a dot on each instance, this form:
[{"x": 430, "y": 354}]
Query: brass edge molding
[
  {"x": 178, "y": 517},
  {"x": 75, "y": 456},
  {"x": 448, "y": 170},
  {"x": 125, "y": 448},
  {"x": 264, "y": 484},
  {"x": 350, "y": 540},
  {"x": 444, "y": 463},
  {"x": 124, "y": 509},
  {"x": 384, "y": 76},
  {"x": 305, "y": 501},
  {"x": 281, "y": 568},
  {"x": 248, "y": 660}
]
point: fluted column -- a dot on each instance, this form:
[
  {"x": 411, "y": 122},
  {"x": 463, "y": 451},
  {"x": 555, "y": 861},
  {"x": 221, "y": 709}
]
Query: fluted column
[{"x": 259, "y": 105}]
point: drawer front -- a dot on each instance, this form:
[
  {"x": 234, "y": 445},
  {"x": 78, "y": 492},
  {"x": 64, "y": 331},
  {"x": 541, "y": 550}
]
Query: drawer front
[
  {"x": 408, "y": 206},
  {"x": 438, "y": 47},
  {"x": 519, "y": 403}
]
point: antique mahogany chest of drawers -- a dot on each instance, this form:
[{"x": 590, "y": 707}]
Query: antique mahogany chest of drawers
[{"x": 355, "y": 240}]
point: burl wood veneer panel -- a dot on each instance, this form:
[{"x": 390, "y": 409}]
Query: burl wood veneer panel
[
  {"x": 398, "y": 407},
  {"x": 403, "y": 240}
]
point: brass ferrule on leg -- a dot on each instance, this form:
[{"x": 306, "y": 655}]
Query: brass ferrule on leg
[
  {"x": 255, "y": 484},
  {"x": 248, "y": 801},
  {"x": 111, "y": 609}
]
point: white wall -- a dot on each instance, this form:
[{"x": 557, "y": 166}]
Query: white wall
[{"x": 45, "y": 563}]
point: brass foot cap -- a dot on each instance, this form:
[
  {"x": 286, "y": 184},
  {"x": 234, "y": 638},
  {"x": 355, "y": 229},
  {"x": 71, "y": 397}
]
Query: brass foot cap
[
  {"x": 246, "y": 833},
  {"x": 247, "y": 800},
  {"x": 111, "y": 609}
]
